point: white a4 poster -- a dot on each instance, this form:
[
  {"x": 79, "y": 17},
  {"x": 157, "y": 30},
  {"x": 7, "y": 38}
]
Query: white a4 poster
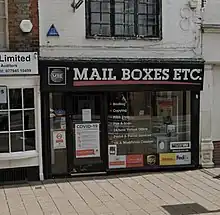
[
  {"x": 59, "y": 139},
  {"x": 87, "y": 140}
]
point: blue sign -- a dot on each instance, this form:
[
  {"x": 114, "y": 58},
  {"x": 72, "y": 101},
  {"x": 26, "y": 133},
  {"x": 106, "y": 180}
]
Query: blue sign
[
  {"x": 52, "y": 31},
  {"x": 59, "y": 112}
]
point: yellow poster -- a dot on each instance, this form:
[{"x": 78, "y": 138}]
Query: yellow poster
[{"x": 167, "y": 159}]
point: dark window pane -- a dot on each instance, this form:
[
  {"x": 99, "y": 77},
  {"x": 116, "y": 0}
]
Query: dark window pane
[
  {"x": 97, "y": 29},
  {"x": 29, "y": 140},
  {"x": 28, "y": 98},
  {"x": 103, "y": 18},
  {"x": 4, "y": 121},
  {"x": 142, "y": 8},
  {"x": 142, "y": 20},
  {"x": 4, "y": 143},
  {"x": 119, "y": 7},
  {"x": 105, "y": 7},
  {"x": 3, "y": 106},
  {"x": 124, "y": 30},
  {"x": 142, "y": 30},
  {"x": 119, "y": 18},
  {"x": 16, "y": 142},
  {"x": 29, "y": 121},
  {"x": 95, "y": 17},
  {"x": 15, "y": 98},
  {"x": 4, "y": 95},
  {"x": 16, "y": 120},
  {"x": 95, "y": 6}
]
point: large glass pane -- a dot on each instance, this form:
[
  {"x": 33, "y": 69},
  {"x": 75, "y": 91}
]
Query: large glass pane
[
  {"x": 4, "y": 142},
  {"x": 4, "y": 121},
  {"x": 16, "y": 122},
  {"x": 15, "y": 99},
  {"x": 2, "y": 9},
  {"x": 28, "y": 98},
  {"x": 58, "y": 131},
  {"x": 3, "y": 43},
  {"x": 155, "y": 124},
  {"x": 29, "y": 140},
  {"x": 29, "y": 119},
  {"x": 17, "y": 142}
]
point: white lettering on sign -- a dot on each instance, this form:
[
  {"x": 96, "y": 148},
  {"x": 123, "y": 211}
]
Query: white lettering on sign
[
  {"x": 180, "y": 145},
  {"x": 18, "y": 63},
  {"x": 107, "y": 74},
  {"x": 137, "y": 74},
  {"x": 187, "y": 74}
]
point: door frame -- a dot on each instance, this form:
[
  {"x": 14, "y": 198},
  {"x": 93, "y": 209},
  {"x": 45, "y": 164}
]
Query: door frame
[{"x": 103, "y": 130}]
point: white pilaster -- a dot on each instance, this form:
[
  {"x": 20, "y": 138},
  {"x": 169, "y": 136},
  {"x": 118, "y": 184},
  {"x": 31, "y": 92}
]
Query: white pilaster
[
  {"x": 206, "y": 105},
  {"x": 39, "y": 130}
]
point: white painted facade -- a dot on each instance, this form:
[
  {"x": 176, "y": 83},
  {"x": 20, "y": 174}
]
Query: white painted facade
[
  {"x": 180, "y": 34},
  {"x": 181, "y": 38},
  {"x": 210, "y": 102}
]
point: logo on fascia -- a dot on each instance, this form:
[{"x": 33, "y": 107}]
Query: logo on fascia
[{"x": 56, "y": 75}]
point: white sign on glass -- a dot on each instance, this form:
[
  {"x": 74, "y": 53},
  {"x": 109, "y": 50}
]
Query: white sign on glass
[
  {"x": 3, "y": 95},
  {"x": 87, "y": 140},
  {"x": 86, "y": 115},
  {"x": 59, "y": 139}
]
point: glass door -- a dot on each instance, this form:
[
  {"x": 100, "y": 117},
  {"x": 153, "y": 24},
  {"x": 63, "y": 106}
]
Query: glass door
[
  {"x": 87, "y": 134},
  {"x": 58, "y": 134}
]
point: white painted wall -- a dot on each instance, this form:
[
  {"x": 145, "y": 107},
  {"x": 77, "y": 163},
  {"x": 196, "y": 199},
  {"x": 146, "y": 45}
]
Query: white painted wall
[
  {"x": 176, "y": 42},
  {"x": 216, "y": 104},
  {"x": 211, "y": 37},
  {"x": 210, "y": 100},
  {"x": 211, "y": 54}
]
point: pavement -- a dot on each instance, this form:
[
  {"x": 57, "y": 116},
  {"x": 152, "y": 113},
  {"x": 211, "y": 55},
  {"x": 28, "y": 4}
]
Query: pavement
[{"x": 171, "y": 193}]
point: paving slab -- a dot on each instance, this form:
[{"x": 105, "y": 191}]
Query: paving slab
[{"x": 166, "y": 193}]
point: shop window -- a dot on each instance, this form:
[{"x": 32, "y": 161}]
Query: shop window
[
  {"x": 124, "y": 18},
  {"x": 17, "y": 121},
  {"x": 3, "y": 25},
  {"x": 143, "y": 124}
]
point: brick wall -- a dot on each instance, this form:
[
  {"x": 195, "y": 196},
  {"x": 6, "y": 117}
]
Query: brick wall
[
  {"x": 216, "y": 154},
  {"x": 17, "y": 11}
]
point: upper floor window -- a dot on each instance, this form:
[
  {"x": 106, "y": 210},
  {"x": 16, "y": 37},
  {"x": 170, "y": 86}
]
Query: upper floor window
[
  {"x": 3, "y": 21},
  {"x": 124, "y": 18}
]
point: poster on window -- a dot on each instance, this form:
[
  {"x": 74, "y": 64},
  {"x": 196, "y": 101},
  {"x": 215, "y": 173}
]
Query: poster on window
[
  {"x": 117, "y": 161},
  {"x": 59, "y": 139},
  {"x": 87, "y": 140},
  {"x": 134, "y": 161}
]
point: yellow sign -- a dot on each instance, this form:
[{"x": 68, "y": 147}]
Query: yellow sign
[{"x": 167, "y": 159}]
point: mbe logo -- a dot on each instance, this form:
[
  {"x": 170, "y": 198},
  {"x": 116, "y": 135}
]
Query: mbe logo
[{"x": 56, "y": 75}]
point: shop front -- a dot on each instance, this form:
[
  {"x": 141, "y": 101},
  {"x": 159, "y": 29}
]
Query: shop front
[
  {"x": 102, "y": 116},
  {"x": 20, "y": 121}
]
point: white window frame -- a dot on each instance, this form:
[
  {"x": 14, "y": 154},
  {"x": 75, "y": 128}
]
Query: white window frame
[
  {"x": 6, "y": 33},
  {"x": 9, "y": 110}
]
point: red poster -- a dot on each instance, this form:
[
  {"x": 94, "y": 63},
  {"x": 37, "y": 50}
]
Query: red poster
[
  {"x": 86, "y": 152},
  {"x": 134, "y": 161}
]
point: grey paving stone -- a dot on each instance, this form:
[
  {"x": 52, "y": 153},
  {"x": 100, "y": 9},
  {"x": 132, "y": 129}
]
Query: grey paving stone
[{"x": 180, "y": 192}]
